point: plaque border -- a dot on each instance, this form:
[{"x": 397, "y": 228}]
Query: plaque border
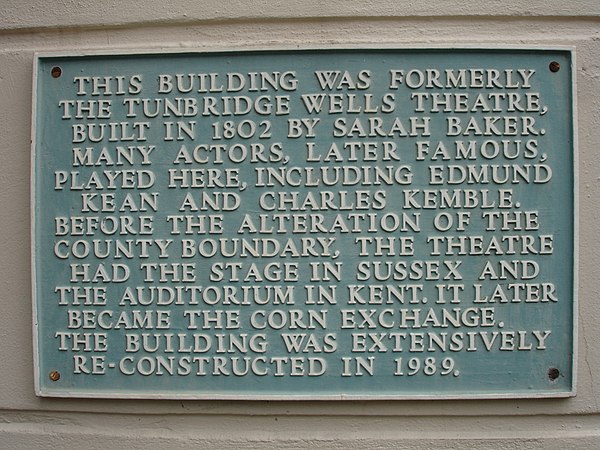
[{"x": 173, "y": 395}]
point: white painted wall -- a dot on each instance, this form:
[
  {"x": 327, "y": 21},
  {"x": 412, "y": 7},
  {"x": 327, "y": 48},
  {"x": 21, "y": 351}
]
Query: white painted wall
[{"x": 27, "y": 421}]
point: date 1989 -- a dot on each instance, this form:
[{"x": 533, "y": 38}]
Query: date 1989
[{"x": 428, "y": 366}]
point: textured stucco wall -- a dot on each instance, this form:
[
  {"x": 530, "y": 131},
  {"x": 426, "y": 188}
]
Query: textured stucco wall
[{"x": 27, "y": 421}]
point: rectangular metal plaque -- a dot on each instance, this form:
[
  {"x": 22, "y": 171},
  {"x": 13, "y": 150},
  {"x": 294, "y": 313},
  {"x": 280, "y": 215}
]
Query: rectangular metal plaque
[{"x": 318, "y": 224}]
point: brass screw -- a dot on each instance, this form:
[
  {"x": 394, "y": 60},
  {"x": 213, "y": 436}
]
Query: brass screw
[
  {"x": 54, "y": 375},
  {"x": 56, "y": 72},
  {"x": 554, "y": 66}
]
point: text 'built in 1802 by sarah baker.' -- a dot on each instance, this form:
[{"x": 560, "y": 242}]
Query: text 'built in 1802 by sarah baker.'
[{"x": 319, "y": 224}]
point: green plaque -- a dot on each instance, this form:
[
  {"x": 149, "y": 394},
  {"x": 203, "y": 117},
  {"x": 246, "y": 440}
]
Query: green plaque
[{"x": 318, "y": 224}]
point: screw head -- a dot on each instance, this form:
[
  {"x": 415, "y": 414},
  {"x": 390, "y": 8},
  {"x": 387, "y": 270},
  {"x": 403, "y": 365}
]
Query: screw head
[
  {"x": 553, "y": 373},
  {"x": 554, "y": 66},
  {"x": 54, "y": 375},
  {"x": 56, "y": 72}
]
